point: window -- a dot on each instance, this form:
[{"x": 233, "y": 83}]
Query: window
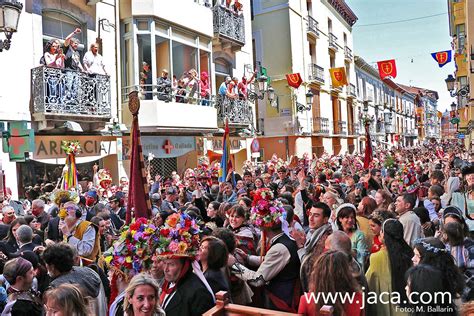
[
  {"x": 59, "y": 25},
  {"x": 162, "y": 51},
  {"x": 184, "y": 59}
]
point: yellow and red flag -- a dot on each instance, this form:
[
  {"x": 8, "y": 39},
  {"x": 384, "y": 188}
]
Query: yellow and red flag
[
  {"x": 387, "y": 68},
  {"x": 338, "y": 77},
  {"x": 294, "y": 80}
]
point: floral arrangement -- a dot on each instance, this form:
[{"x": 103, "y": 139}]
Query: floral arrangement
[
  {"x": 389, "y": 162},
  {"x": 71, "y": 147},
  {"x": 266, "y": 211},
  {"x": 179, "y": 237},
  {"x": 132, "y": 252},
  {"x": 59, "y": 196}
]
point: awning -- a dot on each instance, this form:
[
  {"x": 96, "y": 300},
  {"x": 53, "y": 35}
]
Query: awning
[
  {"x": 62, "y": 161},
  {"x": 219, "y": 152}
]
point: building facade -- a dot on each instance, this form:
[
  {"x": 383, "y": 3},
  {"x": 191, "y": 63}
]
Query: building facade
[
  {"x": 390, "y": 106},
  {"x": 43, "y": 106},
  {"x": 310, "y": 37},
  {"x": 179, "y": 122},
  {"x": 461, "y": 28}
]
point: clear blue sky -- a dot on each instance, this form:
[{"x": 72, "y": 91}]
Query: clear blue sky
[{"x": 406, "y": 41}]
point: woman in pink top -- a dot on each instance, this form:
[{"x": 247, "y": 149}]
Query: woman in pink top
[{"x": 205, "y": 88}]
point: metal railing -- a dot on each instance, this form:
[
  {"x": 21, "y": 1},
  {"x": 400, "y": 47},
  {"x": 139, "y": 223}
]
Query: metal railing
[
  {"x": 353, "y": 129},
  {"x": 228, "y": 24},
  {"x": 340, "y": 128},
  {"x": 320, "y": 125},
  {"x": 332, "y": 41},
  {"x": 206, "y": 3},
  {"x": 347, "y": 52},
  {"x": 60, "y": 91},
  {"x": 313, "y": 25},
  {"x": 316, "y": 73},
  {"x": 238, "y": 112},
  {"x": 167, "y": 94}
]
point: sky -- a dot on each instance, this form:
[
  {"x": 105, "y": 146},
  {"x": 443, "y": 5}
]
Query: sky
[{"x": 410, "y": 43}]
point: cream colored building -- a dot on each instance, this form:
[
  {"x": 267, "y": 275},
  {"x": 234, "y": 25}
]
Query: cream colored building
[{"x": 305, "y": 37}]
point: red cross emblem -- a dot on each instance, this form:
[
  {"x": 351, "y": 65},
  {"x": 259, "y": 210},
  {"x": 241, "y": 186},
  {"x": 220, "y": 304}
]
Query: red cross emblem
[
  {"x": 168, "y": 146},
  {"x": 442, "y": 57},
  {"x": 16, "y": 141},
  {"x": 338, "y": 75},
  {"x": 387, "y": 68}
]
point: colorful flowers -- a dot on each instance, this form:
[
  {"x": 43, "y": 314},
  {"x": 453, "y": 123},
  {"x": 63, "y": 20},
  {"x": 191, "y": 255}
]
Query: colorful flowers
[
  {"x": 132, "y": 252},
  {"x": 179, "y": 237},
  {"x": 266, "y": 212},
  {"x": 71, "y": 147}
]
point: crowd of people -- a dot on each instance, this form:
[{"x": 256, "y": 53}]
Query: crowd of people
[
  {"x": 276, "y": 237},
  {"x": 192, "y": 88}
]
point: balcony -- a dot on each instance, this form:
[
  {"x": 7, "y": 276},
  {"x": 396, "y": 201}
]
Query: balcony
[
  {"x": 316, "y": 73},
  {"x": 351, "y": 91},
  {"x": 333, "y": 42},
  {"x": 313, "y": 26},
  {"x": 354, "y": 129},
  {"x": 348, "y": 53},
  {"x": 166, "y": 111},
  {"x": 238, "y": 112},
  {"x": 321, "y": 125},
  {"x": 228, "y": 26},
  {"x": 340, "y": 128},
  {"x": 60, "y": 95}
]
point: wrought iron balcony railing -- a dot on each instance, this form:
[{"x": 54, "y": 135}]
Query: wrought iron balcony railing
[
  {"x": 353, "y": 129},
  {"x": 340, "y": 128},
  {"x": 347, "y": 52},
  {"x": 68, "y": 92},
  {"x": 238, "y": 112},
  {"x": 333, "y": 41},
  {"x": 321, "y": 125},
  {"x": 316, "y": 73},
  {"x": 229, "y": 25},
  {"x": 313, "y": 25}
]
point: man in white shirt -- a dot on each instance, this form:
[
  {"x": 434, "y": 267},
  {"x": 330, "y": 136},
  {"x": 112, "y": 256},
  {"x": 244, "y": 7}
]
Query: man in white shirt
[
  {"x": 93, "y": 61},
  {"x": 410, "y": 221}
]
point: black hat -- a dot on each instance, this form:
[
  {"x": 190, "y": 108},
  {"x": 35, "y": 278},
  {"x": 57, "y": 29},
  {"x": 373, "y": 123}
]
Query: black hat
[
  {"x": 114, "y": 198},
  {"x": 467, "y": 169}
]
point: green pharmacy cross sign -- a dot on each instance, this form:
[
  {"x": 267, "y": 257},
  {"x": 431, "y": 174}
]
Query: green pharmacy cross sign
[
  {"x": 455, "y": 120},
  {"x": 18, "y": 140}
]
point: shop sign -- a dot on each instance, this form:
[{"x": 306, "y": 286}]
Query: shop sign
[
  {"x": 48, "y": 147},
  {"x": 167, "y": 146},
  {"x": 236, "y": 144}
]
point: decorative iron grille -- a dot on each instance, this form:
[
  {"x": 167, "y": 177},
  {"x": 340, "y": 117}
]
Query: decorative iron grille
[
  {"x": 228, "y": 24},
  {"x": 238, "y": 112},
  {"x": 316, "y": 73},
  {"x": 162, "y": 166},
  {"x": 62, "y": 91}
]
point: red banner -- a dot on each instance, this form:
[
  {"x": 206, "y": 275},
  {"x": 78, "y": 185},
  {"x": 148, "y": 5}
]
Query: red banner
[
  {"x": 294, "y": 80},
  {"x": 387, "y": 68}
]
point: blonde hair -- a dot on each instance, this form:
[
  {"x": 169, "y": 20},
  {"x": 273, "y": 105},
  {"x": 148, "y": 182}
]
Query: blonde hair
[
  {"x": 138, "y": 280},
  {"x": 69, "y": 298}
]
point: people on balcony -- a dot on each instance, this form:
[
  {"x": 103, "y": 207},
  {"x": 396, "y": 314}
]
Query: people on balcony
[
  {"x": 242, "y": 87},
  {"x": 73, "y": 59},
  {"x": 164, "y": 86},
  {"x": 93, "y": 61},
  {"x": 223, "y": 87},
  {"x": 191, "y": 81},
  {"x": 205, "y": 88},
  {"x": 146, "y": 75},
  {"x": 232, "y": 92},
  {"x": 53, "y": 55}
]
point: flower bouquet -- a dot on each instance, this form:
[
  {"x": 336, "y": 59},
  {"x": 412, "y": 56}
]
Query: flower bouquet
[
  {"x": 179, "y": 238},
  {"x": 71, "y": 147},
  {"x": 132, "y": 252},
  {"x": 265, "y": 211}
]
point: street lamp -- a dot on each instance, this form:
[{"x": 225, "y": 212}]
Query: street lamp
[
  {"x": 450, "y": 81},
  {"x": 309, "y": 102},
  {"x": 455, "y": 119},
  {"x": 10, "y": 11},
  {"x": 271, "y": 94},
  {"x": 262, "y": 83}
]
